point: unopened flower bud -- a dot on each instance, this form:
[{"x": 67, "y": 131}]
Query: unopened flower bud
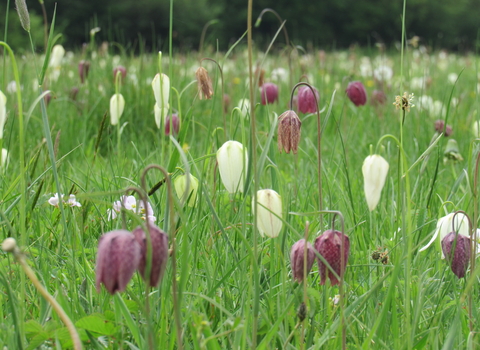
[
  {"x": 117, "y": 259},
  {"x": 159, "y": 241},
  {"x": 269, "y": 92},
  {"x": 289, "y": 131},
  {"x": 334, "y": 247},
  {"x": 117, "y": 104},
  {"x": 307, "y": 101},
  {"x": 297, "y": 257},
  {"x": 232, "y": 162},
  {"x": 374, "y": 169},
  {"x": 180, "y": 185},
  {"x": 356, "y": 93},
  {"x": 9, "y": 245},
  {"x": 269, "y": 212},
  {"x": 205, "y": 89},
  {"x": 456, "y": 248}
]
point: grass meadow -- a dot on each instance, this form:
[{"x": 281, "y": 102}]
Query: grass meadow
[{"x": 226, "y": 286}]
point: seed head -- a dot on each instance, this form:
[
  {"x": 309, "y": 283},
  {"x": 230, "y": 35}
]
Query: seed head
[
  {"x": 23, "y": 14},
  {"x": 289, "y": 131},
  {"x": 334, "y": 246},
  {"x": 404, "y": 102},
  {"x": 205, "y": 89}
]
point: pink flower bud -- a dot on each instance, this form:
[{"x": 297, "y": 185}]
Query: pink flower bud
[
  {"x": 356, "y": 93},
  {"x": 175, "y": 124},
  {"x": 123, "y": 72},
  {"x": 297, "y": 255},
  {"x": 459, "y": 258},
  {"x": 83, "y": 68},
  {"x": 159, "y": 253},
  {"x": 117, "y": 259},
  {"x": 334, "y": 246},
  {"x": 269, "y": 92},
  {"x": 307, "y": 103}
]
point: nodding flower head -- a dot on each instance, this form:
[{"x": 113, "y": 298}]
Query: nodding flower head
[
  {"x": 83, "y": 68},
  {"x": 334, "y": 247},
  {"x": 232, "y": 162},
  {"x": 159, "y": 241},
  {"x": 289, "y": 131},
  {"x": 269, "y": 92},
  {"x": 297, "y": 259},
  {"x": 117, "y": 259},
  {"x": 307, "y": 101},
  {"x": 205, "y": 89},
  {"x": 440, "y": 127},
  {"x": 356, "y": 93},
  {"x": 457, "y": 250}
]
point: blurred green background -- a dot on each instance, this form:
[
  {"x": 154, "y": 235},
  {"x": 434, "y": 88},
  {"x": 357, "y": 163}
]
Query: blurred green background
[{"x": 449, "y": 24}]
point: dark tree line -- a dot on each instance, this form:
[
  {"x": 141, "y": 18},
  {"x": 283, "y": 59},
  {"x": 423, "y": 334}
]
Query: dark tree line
[{"x": 452, "y": 24}]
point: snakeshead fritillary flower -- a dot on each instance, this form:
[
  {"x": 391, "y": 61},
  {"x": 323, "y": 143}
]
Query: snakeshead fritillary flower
[
  {"x": 269, "y": 213},
  {"x": 118, "y": 257},
  {"x": 289, "y": 131},
  {"x": 445, "y": 226},
  {"x": 356, "y": 93},
  {"x": 374, "y": 169},
  {"x": 306, "y": 101},
  {"x": 161, "y": 91},
  {"x": 117, "y": 104},
  {"x": 123, "y": 73},
  {"x": 159, "y": 253},
  {"x": 297, "y": 256},
  {"x": 83, "y": 68},
  {"x": 459, "y": 258},
  {"x": 334, "y": 246},
  {"x": 232, "y": 162},
  {"x": 205, "y": 89},
  {"x": 269, "y": 93}
]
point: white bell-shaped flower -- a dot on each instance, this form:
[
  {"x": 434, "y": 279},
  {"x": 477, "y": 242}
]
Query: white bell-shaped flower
[
  {"x": 117, "y": 104},
  {"x": 185, "y": 194},
  {"x": 269, "y": 213},
  {"x": 56, "y": 56},
  {"x": 3, "y": 112},
  {"x": 374, "y": 169},
  {"x": 5, "y": 159},
  {"x": 232, "y": 162},
  {"x": 445, "y": 225},
  {"x": 161, "y": 91}
]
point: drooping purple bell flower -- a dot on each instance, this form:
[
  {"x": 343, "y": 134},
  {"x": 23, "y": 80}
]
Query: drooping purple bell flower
[
  {"x": 378, "y": 98},
  {"x": 307, "y": 103},
  {"x": 334, "y": 246},
  {"x": 159, "y": 253},
  {"x": 269, "y": 92},
  {"x": 356, "y": 93},
  {"x": 117, "y": 259},
  {"x": 83, "y": 68},
  {"x": 297, "y": 255},
  {"x": 289, "y": 131},
  {"x": 175, "y": 124},
  {"x": 460, "y": 257}
]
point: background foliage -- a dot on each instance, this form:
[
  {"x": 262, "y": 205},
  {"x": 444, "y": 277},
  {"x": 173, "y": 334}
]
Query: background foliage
[{"x": 451, "y": 24}]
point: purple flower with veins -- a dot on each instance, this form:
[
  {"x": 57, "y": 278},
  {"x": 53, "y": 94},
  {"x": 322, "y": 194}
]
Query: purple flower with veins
[{"x": 117, "y": 259}]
